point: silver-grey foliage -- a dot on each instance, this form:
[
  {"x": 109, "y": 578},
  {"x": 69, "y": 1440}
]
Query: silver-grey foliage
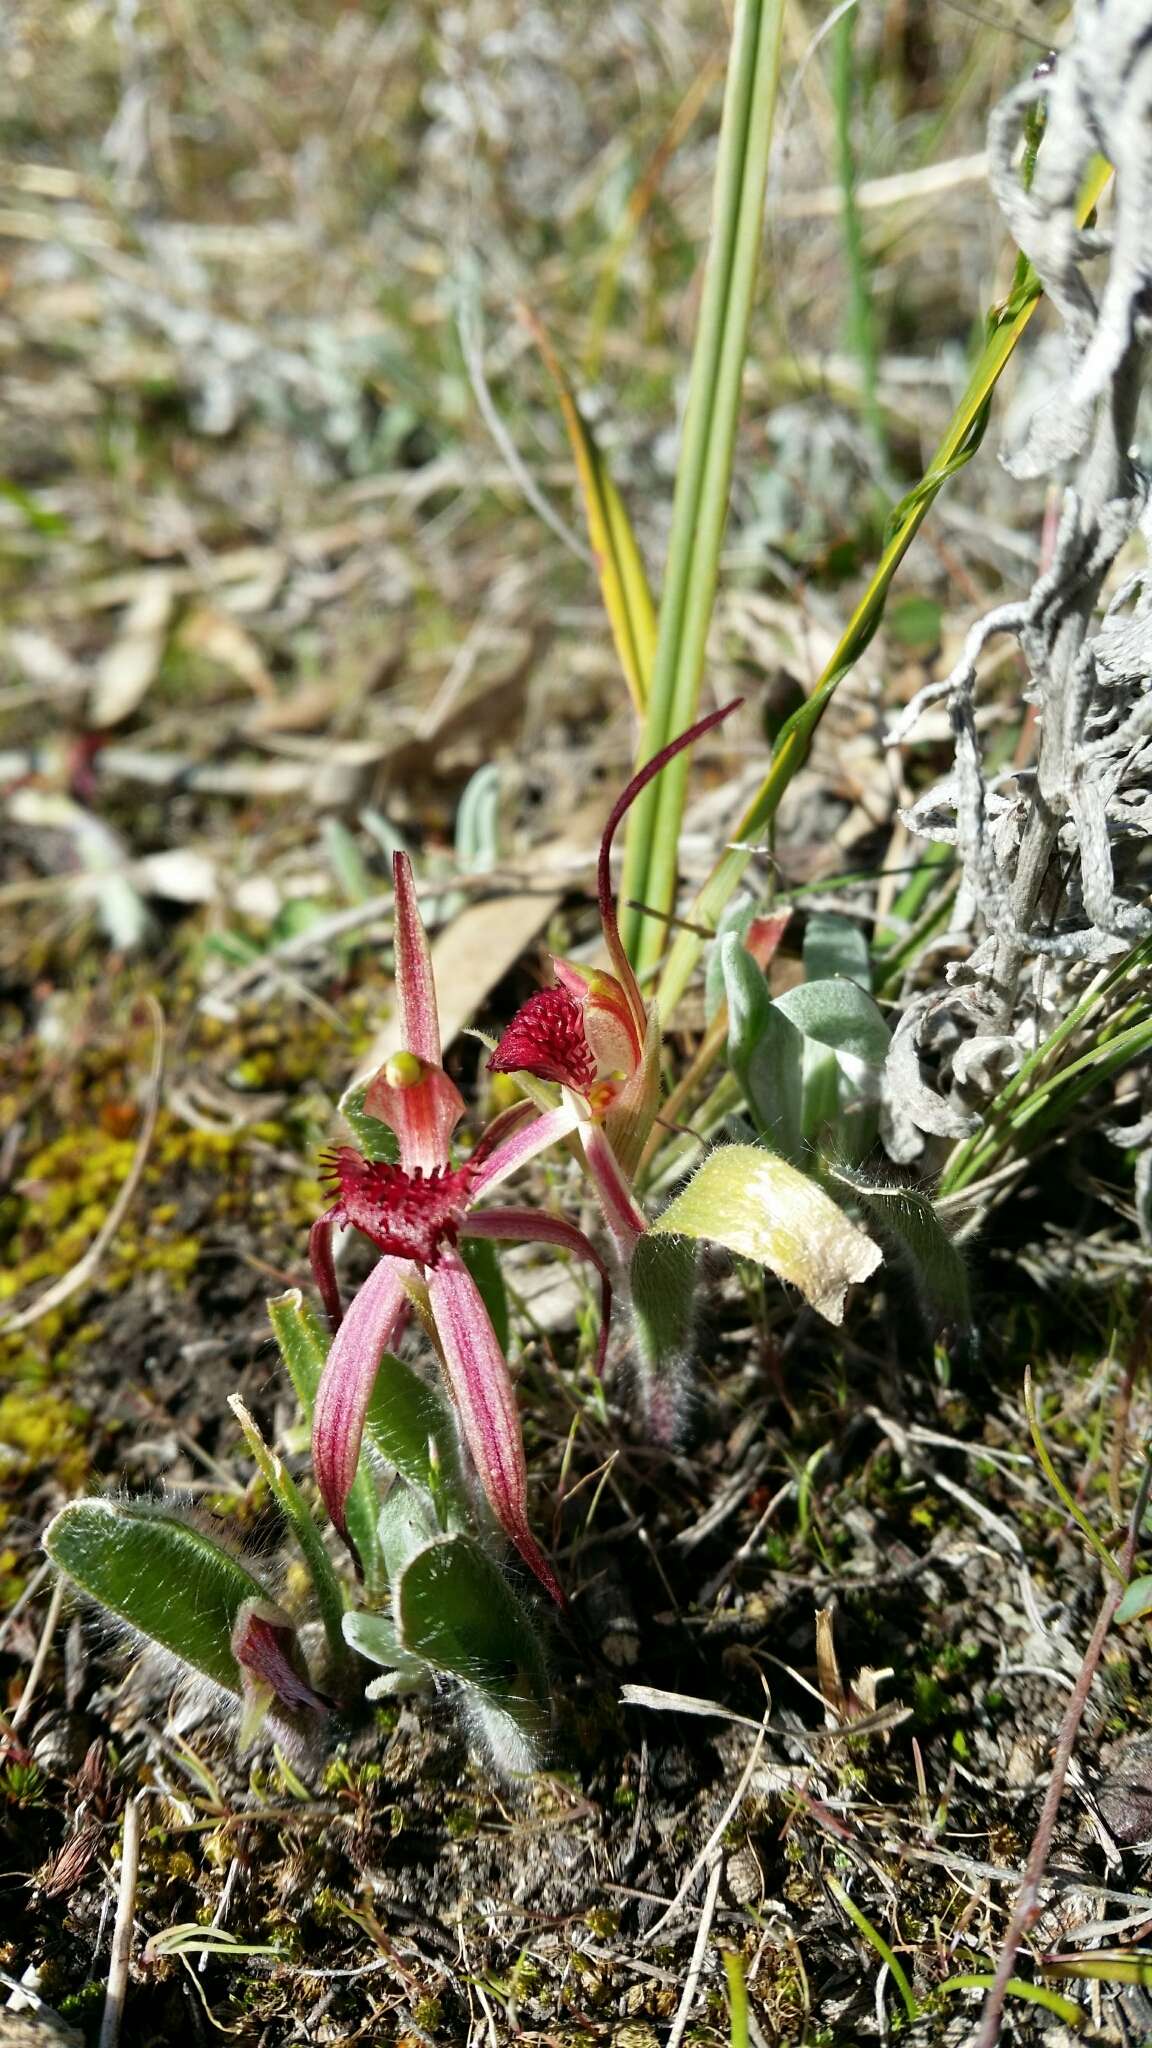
[{"x": 1054, "y": 857}]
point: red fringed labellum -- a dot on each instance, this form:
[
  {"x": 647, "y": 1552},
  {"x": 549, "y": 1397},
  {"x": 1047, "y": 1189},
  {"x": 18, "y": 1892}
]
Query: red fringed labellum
[
  {"x": 547, "y": 1038},
  {"x": 409, "y": 1215}
]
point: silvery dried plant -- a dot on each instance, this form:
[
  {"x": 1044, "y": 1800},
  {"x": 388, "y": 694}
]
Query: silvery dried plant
[{"x": 1053, "y": 856}]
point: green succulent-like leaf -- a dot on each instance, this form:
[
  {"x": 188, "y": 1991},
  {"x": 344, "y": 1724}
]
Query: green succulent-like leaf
[
  {"x": 765, "y": 1051},
  {"x": 160, "y": 1574},
  {"x": 836, "y": 949},
  {"x": 455, "y": 1610},
  {"x": 838, "y": 1014},
  {"x": 373, "y": 1138},
  {"x": 1137, "y": 1601},
  {"x": 763, "y": 1208},
  {"x": 907, "y": 1220}
]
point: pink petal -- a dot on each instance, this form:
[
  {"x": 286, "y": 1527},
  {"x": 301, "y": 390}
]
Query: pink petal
[
  {"x": 415, "y": 987},
  {"x": 324, "y": 1267},
  {"x": 481, "y": 1388},
  {"x": 420, "y": 1104},
  {"x": 528, "y": 1226},
  {"x": 346, "y": 1382},
  {"x": 624, "y": 802},
  {"x": 623, "y": 1218},
  {"x": 524, "y": 1144},
  {"x": 265, "y": 1649},
  {"x": 631, "y": 1116}
]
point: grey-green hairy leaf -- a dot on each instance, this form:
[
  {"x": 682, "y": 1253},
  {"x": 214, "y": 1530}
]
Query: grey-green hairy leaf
[
  {"x": 161, "y": 1575},
  {"x": 662, "y": 1276},
  {"x": 907, "y": 1219},
  {"x": 405, "y": 1417},
  {"x": 455, "y": 1609},
  {"x": 1137, "y": 1601},
  {"x": 765, "y": 1051},
  {"x": 406, "y": 1524},
  {"x": 835, "y": 949},
  {"x": 838, "y": 1014}
]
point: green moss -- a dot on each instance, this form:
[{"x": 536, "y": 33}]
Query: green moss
[{"x": 39, "y": 1428}]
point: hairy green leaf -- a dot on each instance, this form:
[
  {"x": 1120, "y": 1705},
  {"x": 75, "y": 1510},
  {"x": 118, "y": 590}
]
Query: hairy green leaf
[
  {"x": 161, "y": 1575},
  {"x": 763, "y": 1208},
  {"x": 765, "y": 1051}
]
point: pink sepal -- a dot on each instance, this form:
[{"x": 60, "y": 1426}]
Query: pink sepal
[
  {"x": 623, "y": 1218},
  {"x": 324, "y": 1267},
  {"x": 368, "y": 1329},
  {"x": 264, "y": 1646},
  {"x": 519, "y": 1226},
  {"x": 481, "y": 1388},
  {"x": 415, "y": 986},
  {"x": 523, "y": 1144}
]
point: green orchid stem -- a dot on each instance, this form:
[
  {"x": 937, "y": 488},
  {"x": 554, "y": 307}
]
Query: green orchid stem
[{"x": 1006, "y": 325}]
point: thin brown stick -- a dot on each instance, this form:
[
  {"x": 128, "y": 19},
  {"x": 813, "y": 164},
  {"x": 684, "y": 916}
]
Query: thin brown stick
[
  {"x": 36, "y": 1670},
  {"x": 1027, "y": 1905},
  {"x": 122, "y": 1932}
]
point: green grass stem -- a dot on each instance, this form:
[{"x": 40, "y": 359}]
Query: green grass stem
[
  {"x": 704, "y": 473},
  {"x": 875, "y": 1939}
]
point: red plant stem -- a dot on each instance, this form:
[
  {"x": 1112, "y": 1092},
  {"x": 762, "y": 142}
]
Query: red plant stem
[
  {"x": 624, "y": 802},
  {"x": 1027, "y": 1904}
]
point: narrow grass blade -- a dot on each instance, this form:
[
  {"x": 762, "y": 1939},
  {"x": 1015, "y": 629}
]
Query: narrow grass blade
[
  {"x": 1006, "y": 325},
  {"x": 1016, "y": 1987},
  {"x": 619, "y": 564},
  {"x": 294, "y": 1508},
  {"x": 1066, "y": 1500},
  {"x": 875, "y": 1939},
  {"x": 861, "y": 313},
  {"x": 704, "y": 473}
]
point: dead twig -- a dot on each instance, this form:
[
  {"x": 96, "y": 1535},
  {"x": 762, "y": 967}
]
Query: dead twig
[{"x": 122, "y": 1932}]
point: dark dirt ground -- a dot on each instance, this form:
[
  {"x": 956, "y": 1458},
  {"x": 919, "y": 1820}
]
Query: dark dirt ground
[{"x": 854, "y": 1559}]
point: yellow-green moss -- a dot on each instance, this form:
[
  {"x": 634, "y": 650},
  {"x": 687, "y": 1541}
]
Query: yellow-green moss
[{"x": 39, "y": 1428}]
